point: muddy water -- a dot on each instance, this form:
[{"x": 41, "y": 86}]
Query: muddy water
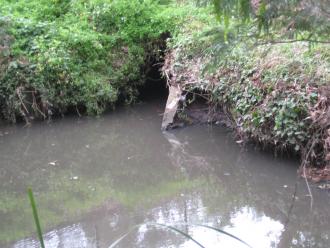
[{"x": 95, "y": 180}]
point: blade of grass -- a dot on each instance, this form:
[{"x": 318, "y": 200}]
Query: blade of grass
[
  {"x": 123, "y": 236},
  {"x": 181, "y": 232},
  {"x": 36, "y": 218},
  {"x": 223, "y": 232},
  {"x": 161, "y": 225},
  {"x": 118, "y": 240}
]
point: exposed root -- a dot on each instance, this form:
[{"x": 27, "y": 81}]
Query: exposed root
[{"x": 30, "y": 104}]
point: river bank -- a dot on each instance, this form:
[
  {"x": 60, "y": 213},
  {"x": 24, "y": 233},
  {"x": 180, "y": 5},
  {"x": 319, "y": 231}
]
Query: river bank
[
  {"x": 277, "y": 96},
  {"x": 79, "y": 57}
]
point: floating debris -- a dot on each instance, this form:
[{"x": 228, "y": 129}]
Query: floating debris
[
  {"x": 91, "y": 188},
  {"x": 324, "y": 186},
  {"x": 53, "y": 163}
]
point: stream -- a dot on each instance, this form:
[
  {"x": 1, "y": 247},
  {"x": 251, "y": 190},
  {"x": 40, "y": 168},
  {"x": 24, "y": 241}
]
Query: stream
[{"x": 96, "y": 179}]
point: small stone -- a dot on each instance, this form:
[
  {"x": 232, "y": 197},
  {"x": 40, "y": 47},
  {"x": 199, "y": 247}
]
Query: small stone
[
  {"x": 87, "y": 146},
  {"x": 74, "y": 178},
  {"x": 285, "y": 186}
]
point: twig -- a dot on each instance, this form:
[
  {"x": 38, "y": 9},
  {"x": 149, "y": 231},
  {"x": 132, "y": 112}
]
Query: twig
[
  {"x": 204, "y": 96},
  {"x": 292, "y": 41},
  {"x": 35, "y": 106},
  {"x": 308, "y": 187},
  {"x": 18, "y": 92},
  {"x": 292, "y": 204},
  {"x": 304, "y": 171},
  {"x": 78, "y": 111}
]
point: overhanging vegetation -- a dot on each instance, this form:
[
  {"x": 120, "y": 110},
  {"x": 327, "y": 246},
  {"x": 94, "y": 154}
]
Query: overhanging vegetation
[
  {"x": 81, "y": 55},
  {"x": 265, "y": 63}
]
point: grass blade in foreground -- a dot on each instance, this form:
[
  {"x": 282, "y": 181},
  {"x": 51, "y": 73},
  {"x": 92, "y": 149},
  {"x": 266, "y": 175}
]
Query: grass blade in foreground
[
  {"x": 36, "y": 218},
  {"x": 181, "y": 232},
  {"x": 161, "y": 225},
  {"x": 122, "y": 237},
  {"x": 225, "y": 233}
]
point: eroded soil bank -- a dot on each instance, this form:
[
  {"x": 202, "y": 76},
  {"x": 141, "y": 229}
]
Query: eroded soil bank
[{"x": 276, "y": 96}]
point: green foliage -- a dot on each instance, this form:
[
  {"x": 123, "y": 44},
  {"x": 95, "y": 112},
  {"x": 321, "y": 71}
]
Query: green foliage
[
  {"x": 134, "y": 21},
  {"x": 63, "y": 66},
  {"x": 40, "y": 10},
  {"x": 294, "y": 19},
  {"x": 80, "y": 54},
  {"x": 268, "y": 91}
]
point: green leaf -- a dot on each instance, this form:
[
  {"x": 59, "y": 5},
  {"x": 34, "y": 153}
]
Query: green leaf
[{"x": 36, "y": 218}]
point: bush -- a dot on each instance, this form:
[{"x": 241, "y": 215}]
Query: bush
[{"x": 78, "y": 54}]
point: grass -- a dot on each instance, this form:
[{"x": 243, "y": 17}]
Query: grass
[
  {"x": 36, "y": 218},
  {"x": 186, "y": 235}
]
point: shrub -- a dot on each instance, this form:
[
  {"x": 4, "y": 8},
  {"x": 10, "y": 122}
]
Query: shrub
[{"x": 80, "y": 54}]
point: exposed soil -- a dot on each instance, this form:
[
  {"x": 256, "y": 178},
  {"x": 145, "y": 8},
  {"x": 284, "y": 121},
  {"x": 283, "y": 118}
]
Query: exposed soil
[{"x": 316, "y": 175}]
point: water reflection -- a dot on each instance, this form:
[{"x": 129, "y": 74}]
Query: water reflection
[
  {"x": 255, "y": 228},
  {"x": 119, "y": 171},
  {"x": 72, "y": 236}
]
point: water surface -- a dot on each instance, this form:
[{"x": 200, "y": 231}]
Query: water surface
[{"x": 96, "y": 179}]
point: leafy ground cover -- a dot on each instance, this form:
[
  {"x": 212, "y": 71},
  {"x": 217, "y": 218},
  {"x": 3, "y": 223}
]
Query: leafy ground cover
[
  {"x": 62, "y": 55},
  {"x": 274, "y": 94}
]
